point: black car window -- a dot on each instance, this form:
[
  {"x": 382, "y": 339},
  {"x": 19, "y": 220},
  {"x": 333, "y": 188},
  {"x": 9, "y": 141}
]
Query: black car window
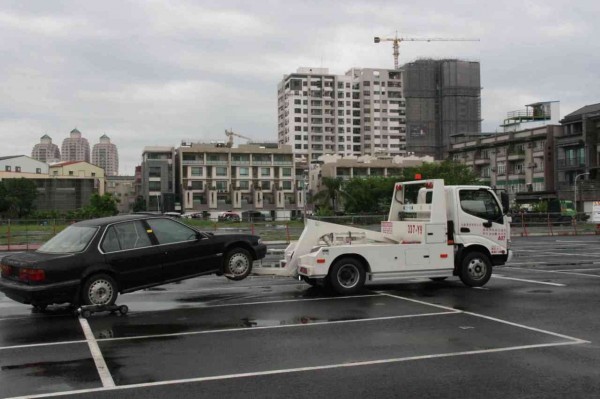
[
  {"x": 123, "y": 236},
  {"x": 169, "y": 231},
  {"x": 71, "y": 239}
]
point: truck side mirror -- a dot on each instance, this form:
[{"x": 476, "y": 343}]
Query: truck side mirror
[{"x": 505, "y": 203}]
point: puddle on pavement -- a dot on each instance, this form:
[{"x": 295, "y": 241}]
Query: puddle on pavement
[{"x": 81, "y": 370}]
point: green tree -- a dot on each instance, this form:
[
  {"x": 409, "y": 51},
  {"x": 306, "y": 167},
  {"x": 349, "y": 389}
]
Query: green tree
[
  {"x": 453, "y": 173},
  {"x": 139, "y": 205},
  {"x": 100, "y": 205},
  {"x": 17, "y": 197},
  {"x": 373, "y": 194},
  {"x": 330, "y": 196},
  {"x": 369, "y": 195}
]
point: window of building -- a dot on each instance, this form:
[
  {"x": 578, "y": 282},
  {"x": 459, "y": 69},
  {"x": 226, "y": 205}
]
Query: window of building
[
  {"x": 93, "y": 174},
  {"x": 38, "y": 170},
  {"x": 17, "y": 168},
  {"x": 265, "y": 185},
  {"x": 265, "y": 171},
  {"x": 154, "y": 186},
  {"x": 221, "y": 185},
  {"x": 198, "y": 199},
  {"x": 286, "y": 172},
  {"x": 287, "y": 184},
  {"x": 197, "y": 185},
  {"x": 196, "y": 171},
  {"x": 244, "y": 171},
  {"x": 71, "y": 173},
  {"x": 7, "y": 168},
  {"x": 244, "y": 184}
]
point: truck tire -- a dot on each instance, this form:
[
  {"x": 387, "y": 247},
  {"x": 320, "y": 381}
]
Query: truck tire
[
  {"x": 347, "y": 276},
  {"x": 310, "y": 281},
  {"x": 475, "y": 269}
]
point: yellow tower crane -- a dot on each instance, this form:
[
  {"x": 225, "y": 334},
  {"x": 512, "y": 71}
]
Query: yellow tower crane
[
  {"x": 396, "y": 40},
  {"x": 229, "y": 133}
]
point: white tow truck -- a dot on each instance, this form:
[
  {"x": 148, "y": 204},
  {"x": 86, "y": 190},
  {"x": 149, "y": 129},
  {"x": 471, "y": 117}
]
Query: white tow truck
[{"x": 432, "y": 231}]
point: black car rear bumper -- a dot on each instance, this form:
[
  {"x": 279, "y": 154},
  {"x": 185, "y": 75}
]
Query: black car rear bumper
[{"x": 40, "y": 294}]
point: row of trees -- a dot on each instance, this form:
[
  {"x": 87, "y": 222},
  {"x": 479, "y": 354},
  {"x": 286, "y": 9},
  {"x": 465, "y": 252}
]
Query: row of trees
[
  {"x": 17, "y": 200},
  {"x": 372, "y": 195}
]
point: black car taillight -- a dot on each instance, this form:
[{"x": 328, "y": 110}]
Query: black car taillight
[
  {"x": 33, "y": 275},
  {"x": 6, "y": 270}
]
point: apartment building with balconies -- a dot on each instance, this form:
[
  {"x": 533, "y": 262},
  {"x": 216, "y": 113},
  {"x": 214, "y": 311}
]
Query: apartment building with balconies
[
  {"x": 249, "y": 177},
  {"x": 521, "y": 161},
  {"x": 578, "y": 154},
  {"x": 158, "y": 178},
  {"x": 361, "y": 112}
]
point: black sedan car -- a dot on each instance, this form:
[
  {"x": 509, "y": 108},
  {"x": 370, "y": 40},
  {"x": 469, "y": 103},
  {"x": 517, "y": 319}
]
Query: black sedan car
[{"x": 91, "y": 262}]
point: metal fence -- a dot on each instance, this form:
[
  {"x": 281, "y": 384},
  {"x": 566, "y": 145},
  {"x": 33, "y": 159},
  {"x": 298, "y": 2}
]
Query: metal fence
[
  {"x": 19, "y": 234},
  {"x": 551, "y": 224}
]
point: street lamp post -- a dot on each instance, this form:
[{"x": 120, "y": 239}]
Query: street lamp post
[
  {"x": 304, "y": 183},
  {"x": 575, "y": 190}
]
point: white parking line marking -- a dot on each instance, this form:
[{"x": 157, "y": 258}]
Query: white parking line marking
[
  {"x": 527, "y": 281},
  {"x": 588, "y": 255},
  {"x": 595, "y": 269},
  {"x": 555, "y": 271},
  {"x": 103, "y": 372},
  {"x": 42, "y": 344},
  {"x": 303, "y": 369},
  {"x": 575, "y": 340}
]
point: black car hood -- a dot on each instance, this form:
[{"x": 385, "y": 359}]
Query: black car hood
[{"x": 31, "y": 258}]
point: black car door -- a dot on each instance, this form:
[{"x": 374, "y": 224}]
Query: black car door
[
  {"x": 128, "y": 249},
  {"x": 184, "y": 251}
]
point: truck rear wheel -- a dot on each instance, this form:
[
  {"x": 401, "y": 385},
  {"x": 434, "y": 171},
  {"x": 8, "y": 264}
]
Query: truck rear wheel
[
  {"x": 347, "y": 276},
  {"x": 475, "y": 269}
]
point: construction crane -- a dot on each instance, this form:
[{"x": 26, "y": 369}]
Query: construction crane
[
  {"x": 229, "y": 133},
  {"x": 396, "y": 40}
]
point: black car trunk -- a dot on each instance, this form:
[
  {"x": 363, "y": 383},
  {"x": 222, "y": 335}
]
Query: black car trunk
[{"x": 16, "y": 267}]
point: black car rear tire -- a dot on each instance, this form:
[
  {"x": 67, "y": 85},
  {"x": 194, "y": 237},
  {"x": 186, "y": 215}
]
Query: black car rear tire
[
  {"x": 99, "y": 289},
  {"x": 238, "y": 264}
]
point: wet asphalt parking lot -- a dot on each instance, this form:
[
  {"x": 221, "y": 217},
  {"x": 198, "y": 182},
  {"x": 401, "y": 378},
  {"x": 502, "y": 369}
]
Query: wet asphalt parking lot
[{"x": 532, "y": 332}]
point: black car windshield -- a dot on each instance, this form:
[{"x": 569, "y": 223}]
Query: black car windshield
[{"x": 71, "y": 239}]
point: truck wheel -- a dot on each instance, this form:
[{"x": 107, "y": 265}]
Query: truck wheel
[
  {"x": 347, "y": 276},
  {"x": 310, "y": 281},
  {"x": 475, "y": 269},
  {"x": 99, "y": 289},
  {"x": 238, "y": 264}
]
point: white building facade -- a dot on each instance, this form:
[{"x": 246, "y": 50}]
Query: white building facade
[
  {"x": 361, "y": 112},
  {"x": 46, "y": 151},
  {"x": 75, "y": 147},
  {"x": 106, "y": 156}
]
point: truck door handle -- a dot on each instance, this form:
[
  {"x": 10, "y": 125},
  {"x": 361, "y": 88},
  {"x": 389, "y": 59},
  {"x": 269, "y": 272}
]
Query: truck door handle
[
  {"x": 429, "y": 234},
  {"x": 487, "y": 224},
  {"x": 426, "y": 256},
  {"x": 465, "y": 230}
]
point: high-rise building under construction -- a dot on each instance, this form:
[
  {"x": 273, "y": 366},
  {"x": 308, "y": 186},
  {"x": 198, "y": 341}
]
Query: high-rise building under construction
[{"x": 443, "y": 98}]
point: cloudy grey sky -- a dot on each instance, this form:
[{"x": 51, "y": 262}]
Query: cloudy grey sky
[{"x": 157, "y": 72}]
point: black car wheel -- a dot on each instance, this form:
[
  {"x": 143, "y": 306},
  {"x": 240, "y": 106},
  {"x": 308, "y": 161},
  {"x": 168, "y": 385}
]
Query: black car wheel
[
  {"x": 238, "y": 264},
  {"x": 99, "y": 289}
]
